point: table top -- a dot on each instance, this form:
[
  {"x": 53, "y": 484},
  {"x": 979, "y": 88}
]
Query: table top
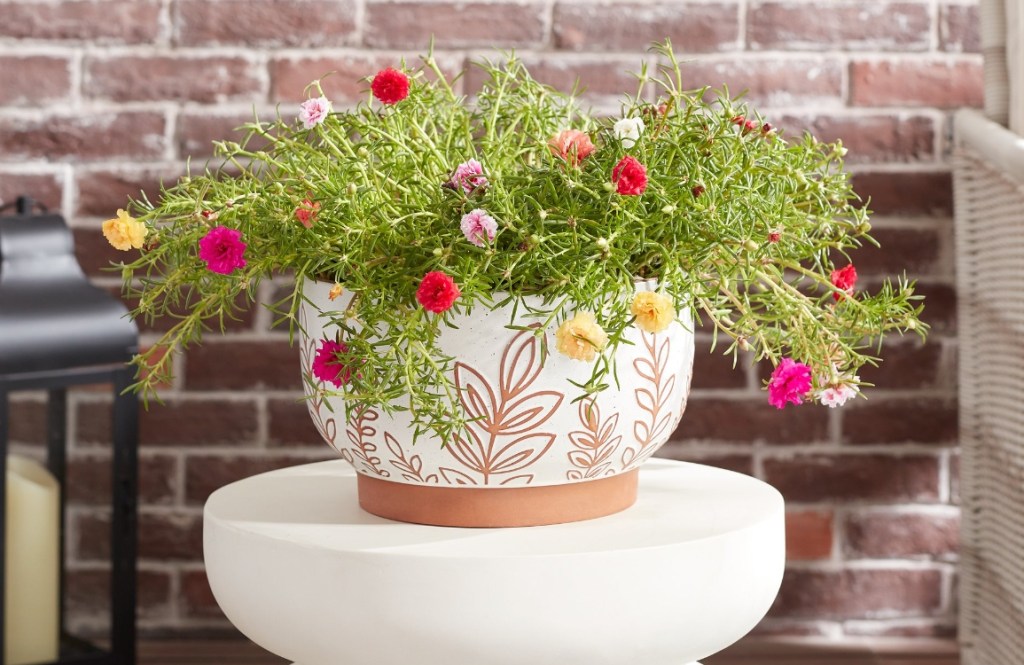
[{"x": 315, "y": 505}]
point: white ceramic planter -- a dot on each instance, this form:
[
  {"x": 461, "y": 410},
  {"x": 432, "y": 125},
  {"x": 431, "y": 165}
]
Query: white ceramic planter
[{"x": 530, "y": 435}]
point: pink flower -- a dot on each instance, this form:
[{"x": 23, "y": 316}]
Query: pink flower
[
  {"x": 469, "y": 175},
  {"x": 223, "y": 250},
  {"x": 843, "y": 279},
  {"x": 306, "y": 212},
  {"x": 476, "y": 225},
  {"x": 327, "y": 367},
  {"x": 789, "y": 383},
  {"x": 314, "y": 111},
  {"x": 837, "y": 395},
  {"x": 437, "y": 292},
  {"x": 572, "y": 145},
  {"x": 390, "y": 86},
  {"x": 774, "y": 237},
  {"x": 629, "y": 176}
]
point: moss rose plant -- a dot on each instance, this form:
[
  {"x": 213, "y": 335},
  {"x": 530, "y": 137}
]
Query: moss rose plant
[{"x": 423, "y": 203}]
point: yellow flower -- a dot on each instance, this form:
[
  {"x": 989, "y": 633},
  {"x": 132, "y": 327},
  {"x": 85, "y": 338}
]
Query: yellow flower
[
  {"x": 124, "y": 232},
  {"x": 580, "y": 337},
  {"x": 653, "y": 311},
  {"x": 336, "y": 291}
]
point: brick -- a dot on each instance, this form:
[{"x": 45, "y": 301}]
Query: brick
[
  {"x": 94, "y": 21},
  {"x": 745, "y": 421},
  {"x": 204, "y": 474},
  {"x": 847, "y": 25},
  {"x": 102, "y": 191},
  {"x": 914, "y": 250},
  {"x": 237, "y": 365},
  {"x": 945, "y": 629},
  {"x": 88, "y": 593},
  {"x": 205, "y": 79},
  {"x": 869, "y": 139},
  {"x": 196, "y": 133},
  {"x": 906, "y": 364},
  {"x": 808, "y": 534},
  {"x": 676, "y": 451},
  {"x": 901, "y": 535},
  {"x": 199, "y": 602},
  {"x": 84, "y": 136},
  {"x": 713, "y": 369},
  {"x": 196, "y": 422},
  {"x": 600, "y": 78},
  {"x": 162, "y": 537},
  {"x": 454, "y": 24},
  {"x": 906, "y": 192},
  {"x": 879, "y": 478},
  {"x": 27, "y": 423},
  {"x": 959, "y": 30},
  {"x": 939, "y": 306},
  {"x": 290, "y": 424},
  {"x": 88, "y": 480},
  {"x": 935, "y": 83},
  {"x": 954, "y": 478},
  {"x": 266, "y": 23},
  {"x": 858, "y": 594},
  {"x": 789, "y": 82},
  {"x": 900, "y": 420},
  {"x": 692, "y": 27},
  {"x": 35, "y": 79},
  {"x": 46, "y": 188},
  {"x": 772, "y": 627}
]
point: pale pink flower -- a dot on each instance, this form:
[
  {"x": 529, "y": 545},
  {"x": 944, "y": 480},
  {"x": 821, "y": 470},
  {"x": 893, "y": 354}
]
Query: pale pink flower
[
  {"x": 789, "y": 383},
  {"x": 838, "y": 394},
  {"x": 478, "y": 225},
  {"x": 469, "y": 175},
  {"x": 314, "y": 111}
]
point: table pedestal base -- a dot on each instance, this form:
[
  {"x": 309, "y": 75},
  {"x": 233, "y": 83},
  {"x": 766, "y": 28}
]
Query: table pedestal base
[{"x": 303, "y": 572}]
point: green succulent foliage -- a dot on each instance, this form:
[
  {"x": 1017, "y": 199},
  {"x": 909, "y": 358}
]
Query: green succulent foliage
[{"x": 739, "y": 223}]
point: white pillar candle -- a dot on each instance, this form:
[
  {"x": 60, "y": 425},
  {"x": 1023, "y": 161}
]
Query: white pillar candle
[{"x": 31, "y": 601}]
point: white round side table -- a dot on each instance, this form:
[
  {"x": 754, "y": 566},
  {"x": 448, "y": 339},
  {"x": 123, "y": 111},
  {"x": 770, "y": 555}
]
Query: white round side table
[{"x": 301, "y": 570}]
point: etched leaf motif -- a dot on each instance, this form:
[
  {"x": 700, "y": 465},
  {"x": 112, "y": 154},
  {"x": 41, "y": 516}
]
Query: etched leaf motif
[
  {"x": 476, "y": 395},
  {"x": 529, "y": 412},
  {"x": 520, "y": 364},
  {"x": 470, "y": 454},
  {"x": 522, "y": 452},
  {"x": 453, "y": 477},
  {"x": 524, "y": 479}
]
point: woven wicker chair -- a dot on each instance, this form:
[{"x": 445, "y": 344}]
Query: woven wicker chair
[{"x": 989, "y": 195}]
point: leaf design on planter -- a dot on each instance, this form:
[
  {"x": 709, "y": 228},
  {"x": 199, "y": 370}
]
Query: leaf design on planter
[
  {"x": 453, "y": 477},
  {"x": 652, "y": 400},
  {"x": 518, "y": 480},
  {"x": 363, "y": 448},
  {"x": 595, "y": 443},
  {"x": 411, "y": 467},
  {"x": 484, "y": 446}
]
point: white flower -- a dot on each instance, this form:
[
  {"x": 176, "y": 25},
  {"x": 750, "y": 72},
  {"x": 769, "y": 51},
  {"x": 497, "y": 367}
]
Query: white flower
[
  {"x": 628, "y": 130},
  {"x": 837, "y": 394},
  {"x": 314, "y": 111}
]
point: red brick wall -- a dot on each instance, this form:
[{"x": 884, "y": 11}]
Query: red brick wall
[{"x": 99, "y": 98}]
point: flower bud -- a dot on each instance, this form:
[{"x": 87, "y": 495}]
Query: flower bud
[
  {"x": 602, "y": 243},
  {"x": 669, "y": 209},
  {"x": 438, "y": 251},
  {"x": 609, "y": 187},
  {"x": 911, "y": 324},
  {"x": 750, "y": 245},
  {"x": 543, "y": 214},
  {"x": 363, "y": 152},
  {"x": 352, "y": 189}
]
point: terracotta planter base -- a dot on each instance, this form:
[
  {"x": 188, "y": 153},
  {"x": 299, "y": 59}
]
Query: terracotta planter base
[{"x": 497, "y": 507}]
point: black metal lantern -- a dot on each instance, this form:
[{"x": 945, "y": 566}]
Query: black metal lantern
[{"x": 56, "y": 331}]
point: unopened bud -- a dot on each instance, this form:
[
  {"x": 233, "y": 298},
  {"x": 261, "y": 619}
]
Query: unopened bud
[
  {"x": 911, "y": 324},
  {"x": 750, "y": 245},
  {"x": 543, "y": 214},
  {"x": 602, "y": 243},
  {"x": 363, "y": 152},
  {"x": 608, "y": 187},
  {"x": 669, "y": 209},
  {"x": 352, "y": 189},
  {"x": 438, "y": 251}
]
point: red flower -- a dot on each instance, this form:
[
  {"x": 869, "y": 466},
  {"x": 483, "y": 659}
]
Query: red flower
[
  {"x": 306, "y": 212},
  {"x": 629, "y": 176},
  {"x": 437, "y": 292},
  {"x": 844, "y": 279},
  {"x": 774, "y": 236},
  {"x": 390, "y": 86},
  {"x": 697, "y": 191}
]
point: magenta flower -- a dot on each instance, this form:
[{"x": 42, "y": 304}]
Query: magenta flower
[
  {"x": 327, "y": 367},
  {"x": 789, "y": 383},
  {"x": 223, "y": 250},
  {"x": 469, "y": 175},
  {"x": 478, "y": 225},
  {"x": 314, "y": 111}
]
